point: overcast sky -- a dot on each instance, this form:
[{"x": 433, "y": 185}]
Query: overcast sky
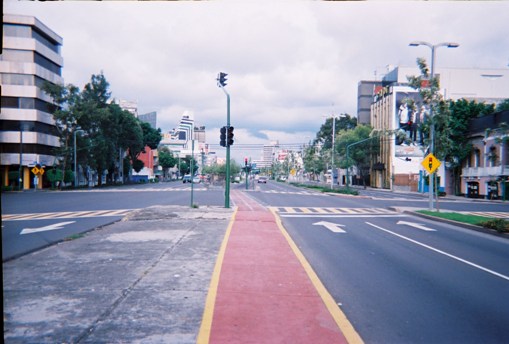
[{"x": 289, "y": 63}]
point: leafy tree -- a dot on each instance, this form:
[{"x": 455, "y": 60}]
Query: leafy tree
[
  {"x": 324, "y": 135},
  {"x": 166, "y": 159},
  {"x": 503, "y": 105},
  {"x": 151, "y": 136},
  {"x": 361, "y": 153},
  {"x": 313, "y": 161},
  {"x": 65, "y": 99}
]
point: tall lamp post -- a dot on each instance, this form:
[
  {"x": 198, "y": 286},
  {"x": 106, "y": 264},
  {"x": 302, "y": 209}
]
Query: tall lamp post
[{"x": 433, "y": 47}]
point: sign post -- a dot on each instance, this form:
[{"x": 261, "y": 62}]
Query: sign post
[{"x": 431, "y": 164}]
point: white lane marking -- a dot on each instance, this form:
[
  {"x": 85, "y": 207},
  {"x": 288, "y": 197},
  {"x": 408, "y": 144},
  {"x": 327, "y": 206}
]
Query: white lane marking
[
  {"x": 51, "y": 227},
  {"x": 341, "y": 215},
  {"x": 442, "y": 252},
  {"x": 333, "y": 227},
  {"x": 416, "y": 225}
]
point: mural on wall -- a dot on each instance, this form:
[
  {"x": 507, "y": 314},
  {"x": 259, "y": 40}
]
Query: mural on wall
[{"x": 410, "y": 115}]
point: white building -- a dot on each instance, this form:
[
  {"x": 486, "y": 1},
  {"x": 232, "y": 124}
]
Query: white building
[{"x": 30, "y": 56}]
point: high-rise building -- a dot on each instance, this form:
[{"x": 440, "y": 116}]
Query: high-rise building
[
  {"x": 150, "y": 118},
  {"x": 30, "y": 56}
]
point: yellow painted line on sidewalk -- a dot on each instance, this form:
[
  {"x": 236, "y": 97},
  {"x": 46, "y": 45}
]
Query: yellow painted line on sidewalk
[
  {"x": 305, "y": 210},
  {"x": 208, "y": 313},
  {"x": 337, "y": 314}
]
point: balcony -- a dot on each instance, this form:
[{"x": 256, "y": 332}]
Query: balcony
[{"x": 494, "y": 171}]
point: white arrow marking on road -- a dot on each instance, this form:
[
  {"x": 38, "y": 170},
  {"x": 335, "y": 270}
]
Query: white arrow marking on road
[
  {"x": 333, "y": 227},
  {"x": 416, "y": 225},
  {"x": 46, "y": 228}
]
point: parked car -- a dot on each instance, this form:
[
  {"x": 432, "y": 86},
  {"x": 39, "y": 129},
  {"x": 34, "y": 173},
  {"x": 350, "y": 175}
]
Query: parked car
[
  {"x": 263, "y": 179},
  {"x": 186, "y": 179},
  {"x": 196, "y": 180}
]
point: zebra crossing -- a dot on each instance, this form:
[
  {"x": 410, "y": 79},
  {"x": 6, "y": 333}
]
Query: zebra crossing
[
  {"x": 307, "y": 193},
  {"x": 65, "y": 215},
  {"x": 334, "y": 212},
  {"x": 496, "y": 214},
  {"x": 169, "y": 189}
]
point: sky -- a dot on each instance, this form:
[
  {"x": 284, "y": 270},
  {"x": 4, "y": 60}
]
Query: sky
[{"x": 290, "y": 64}]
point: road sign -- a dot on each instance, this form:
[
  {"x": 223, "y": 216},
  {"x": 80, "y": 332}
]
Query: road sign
[
  {"x": 35, "y": 170},
  {"x": 430, "y": 163}
]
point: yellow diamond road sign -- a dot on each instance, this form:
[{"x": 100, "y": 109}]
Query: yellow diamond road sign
[
  {"x": 430, "y": 163},
  {"x": 35, "y": 170}
]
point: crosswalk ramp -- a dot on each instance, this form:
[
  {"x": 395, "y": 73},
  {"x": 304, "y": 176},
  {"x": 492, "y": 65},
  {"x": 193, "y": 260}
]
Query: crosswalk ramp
[{"x": 333, "y": 212}]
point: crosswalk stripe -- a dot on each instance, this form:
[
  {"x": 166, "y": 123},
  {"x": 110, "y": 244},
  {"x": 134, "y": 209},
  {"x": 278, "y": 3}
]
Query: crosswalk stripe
[{"x": 65, "y": 215}]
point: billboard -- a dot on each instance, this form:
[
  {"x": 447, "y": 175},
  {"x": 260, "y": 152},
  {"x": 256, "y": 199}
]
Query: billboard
[{"x": 410, "y": 116}]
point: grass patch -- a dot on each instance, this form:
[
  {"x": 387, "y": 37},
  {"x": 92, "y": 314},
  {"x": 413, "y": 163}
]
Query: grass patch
[{"x": 500, "y": 225}]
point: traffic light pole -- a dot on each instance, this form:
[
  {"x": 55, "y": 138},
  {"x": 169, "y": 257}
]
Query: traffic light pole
[{"x": 227, "y": 185}]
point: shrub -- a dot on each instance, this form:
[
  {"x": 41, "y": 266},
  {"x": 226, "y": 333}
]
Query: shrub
[{"x": 500, "y": 225}]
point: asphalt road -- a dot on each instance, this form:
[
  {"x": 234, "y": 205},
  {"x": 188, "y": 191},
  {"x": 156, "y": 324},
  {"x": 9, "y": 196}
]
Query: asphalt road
[
  {"x": 32, "y": 220},
  {"x": 397, "y": 277}
]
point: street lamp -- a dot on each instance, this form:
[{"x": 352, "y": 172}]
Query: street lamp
[
  {"x": 433, "y": 47},
  {"x": 76, "y": 159}
]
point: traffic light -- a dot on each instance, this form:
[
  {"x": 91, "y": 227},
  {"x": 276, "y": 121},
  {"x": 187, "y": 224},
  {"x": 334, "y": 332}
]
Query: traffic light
[
  {"x": 223, "y": 137},
  {"x": 245, "y": 161},
  {"x": 229, "y": 138},
  {"x": 221, "y": 79}
]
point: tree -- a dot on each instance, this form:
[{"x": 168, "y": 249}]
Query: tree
[
  {"x": 313, "y": 161},
  {"x": 324, "y": 135},
  {"x": 360, "y": 154},
  {"x": 151, "y": 136},
  {"x": 65, "y": 99},
  {"x": 166, "y": 159},
  {"x": 503, "y": 105}
]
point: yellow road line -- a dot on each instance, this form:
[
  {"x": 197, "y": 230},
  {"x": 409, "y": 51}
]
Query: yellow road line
[
  {"x": 208, "y": 313},
  {"x": 340, "y": 318}
]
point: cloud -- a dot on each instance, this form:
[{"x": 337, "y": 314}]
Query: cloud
[{"x": 288, "y": 63}]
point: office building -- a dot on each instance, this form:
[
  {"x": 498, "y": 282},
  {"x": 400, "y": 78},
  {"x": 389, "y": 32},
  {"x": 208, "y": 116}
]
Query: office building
[{"x": 31, "y": 55}]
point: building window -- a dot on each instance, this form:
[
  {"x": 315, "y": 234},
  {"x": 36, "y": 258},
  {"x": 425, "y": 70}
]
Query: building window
[
  {"x": 45, "y": 63},
  {"x": 492, "y": 157},
  {"x": 17, "y": 79},
  {"x": 17, "y": 55},
  {"x": 12, "y": 30},
  {"x": 40, "y": 37},
  {"x": 27, "y": 103}
]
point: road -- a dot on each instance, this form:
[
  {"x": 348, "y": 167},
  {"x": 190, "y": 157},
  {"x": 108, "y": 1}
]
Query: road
[
  {"x": 32, "y": 220},
  {"x": 397, "y": 277}
]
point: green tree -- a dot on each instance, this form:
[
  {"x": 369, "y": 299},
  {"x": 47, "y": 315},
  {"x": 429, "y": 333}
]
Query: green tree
[
  {"x": 314, "y": 163},
  {"x": 65, "y": 99},
  {"x": 503, "y": 105},
  {"x": 360, "y": 155},
  {"x": 324, "y": 135},
  {"x": 166, "y": 160}
]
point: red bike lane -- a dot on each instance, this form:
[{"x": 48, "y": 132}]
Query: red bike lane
[{"x": 264, "y": 291}]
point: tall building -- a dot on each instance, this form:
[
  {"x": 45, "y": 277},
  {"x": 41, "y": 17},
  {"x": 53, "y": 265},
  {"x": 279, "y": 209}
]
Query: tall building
[
  {"x": 150, "y": 118},
  {"x": 30, "y": 56},
  {"x": 365, "y": 92}
]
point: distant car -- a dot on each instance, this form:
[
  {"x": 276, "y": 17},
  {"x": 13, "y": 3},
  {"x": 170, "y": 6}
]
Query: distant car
[
  {"x": 236, "y": 179},
  {"x": 186, "y": 179},
  {"x": 196, "y": 179},
  {"x": 262, "y": 179}
]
